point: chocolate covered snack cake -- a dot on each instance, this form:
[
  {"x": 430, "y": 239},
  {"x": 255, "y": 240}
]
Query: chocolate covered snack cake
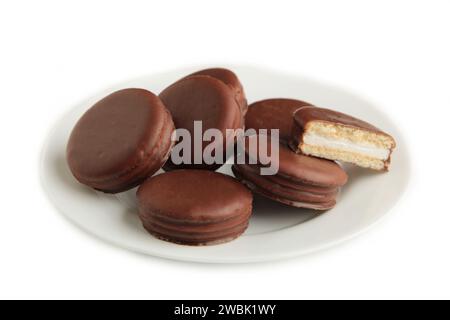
[
  {"x": 334, "y": 135},
  {"x": 204, "y": 99},
  {"x": 301, "y": 181},
  {"x": 194, "y": 207},
  {"x": 120, "y": 141}
]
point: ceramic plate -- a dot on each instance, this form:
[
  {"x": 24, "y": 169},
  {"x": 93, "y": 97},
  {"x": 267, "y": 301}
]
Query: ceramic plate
[{"x": 276, "y": 231}]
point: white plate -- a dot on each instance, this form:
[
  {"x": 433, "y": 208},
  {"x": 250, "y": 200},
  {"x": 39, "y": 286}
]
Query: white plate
[{"x": 276, "y": 231}]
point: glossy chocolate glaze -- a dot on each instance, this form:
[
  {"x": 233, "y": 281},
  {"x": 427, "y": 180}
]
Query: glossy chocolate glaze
[
  {"x": 290, "y": 183},
  {"x": 302, "y": 168},
  {"x": 121, "y": 140},
  {"x": 273, "y": 114},
  {"x": 194, "y": 206},
  {"x": 231, "y": 80},
  {"x": 282, "y": 191},
  {"x": 206, "y": 99},
  {"x": 259, "y": 185},
  {"x": 306, "y": 115},
  {"x": 199, "y": 239}
]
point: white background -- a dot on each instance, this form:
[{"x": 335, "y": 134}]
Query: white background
[{"x": 55, "y": 53}]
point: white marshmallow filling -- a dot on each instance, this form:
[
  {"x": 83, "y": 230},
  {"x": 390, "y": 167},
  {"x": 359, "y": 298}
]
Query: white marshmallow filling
[{"x": 347, "y": 146}]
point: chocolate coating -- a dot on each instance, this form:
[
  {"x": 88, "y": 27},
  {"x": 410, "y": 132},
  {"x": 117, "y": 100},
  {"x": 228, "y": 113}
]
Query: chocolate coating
[
  {"x": 291, "y": 183},
  {"x": 302, "y": 117},
  {"x": 260, "y": 186},
  {"x": 301, "y": 181},
  {"x": 295, "y": 194},
  {"x": 206, "y": 99},
  {"x": 273, "y": 114},
  {"x": 231, "y": 80},
  {"x": 120, "y": 141},
  {"x": 302, "y": 168},
  {"x": 194, "y": 207}
]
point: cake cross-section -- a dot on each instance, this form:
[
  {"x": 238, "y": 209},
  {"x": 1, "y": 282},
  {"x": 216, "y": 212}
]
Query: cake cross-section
[{"x": 333, "y": 135}]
